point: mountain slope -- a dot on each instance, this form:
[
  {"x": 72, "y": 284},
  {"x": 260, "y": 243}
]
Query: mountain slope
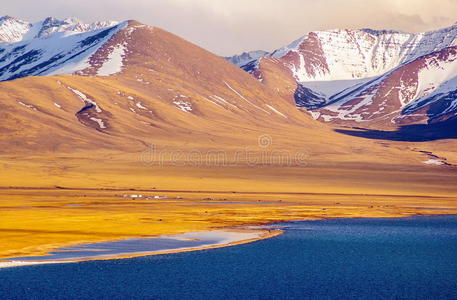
[
  {"x": 16, "y": 30},
  {"x": 58, "y": 47},
  {"x": 246, "y": 57},
  {"x": 165, "y": 86},
  {"x": 416, "y": 92},
  {"x": 334, "y": 70},
  {"x": 356, "y": 54},
  {"x": 170, "y": 94}
]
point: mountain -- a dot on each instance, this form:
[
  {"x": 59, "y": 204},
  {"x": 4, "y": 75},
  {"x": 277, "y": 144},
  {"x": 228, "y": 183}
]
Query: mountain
[
  {"x": 246, "y": 57},
  {"x": 338, "y": 76},
  {"x": 421, "y": 91},
  {"x": 342, "y": 75},
  {"x": 134, "y": 85},
  {"x": 51, "y": 46},
  {"x": 16, "y": 30},
  {"x": 166, "y": 93},
  {"x": 13, "y": 30}
]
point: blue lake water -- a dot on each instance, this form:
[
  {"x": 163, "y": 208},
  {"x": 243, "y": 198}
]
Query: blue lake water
[{"x": 411, "y": 258}]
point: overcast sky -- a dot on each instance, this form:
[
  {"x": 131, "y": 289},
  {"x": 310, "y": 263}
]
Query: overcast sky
[{"x": 228, "y": 27}]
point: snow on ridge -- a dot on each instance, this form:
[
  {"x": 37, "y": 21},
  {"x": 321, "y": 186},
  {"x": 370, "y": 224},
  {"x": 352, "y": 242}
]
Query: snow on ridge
[
  {"x": 140, "y": 106},
  {"x": 278, "y": 53},
  {"x": 185, "y": 106},
  {"x": 114, "y": 62},
  {"x": 344, "y": 69},
  {"x": 55, "y": 54},
  {"x": 246, "y": 57},
  {"x": 277, "y": 111},
  {"x": 81, "y": 61},
  {"x": 217, "y": 100},
  {"x": 436, "y": 77},
  {"x": 220, "y": 99},
  {"x": 100, "y": 122},
  {"x": 315, "y": 115},
  {"x": 27, "y": 105},
  {"x": 12, "y": 30},
  {"x": 435, "y": 73},
  {"x": 361, "y": 53},
  {"x": 437, "y": 92},
  {"x": 436, "y": 162},
  {"x": 16, "y": 30},
  {"x": 242, "y": 97},
  {"x": 86, "y": 99}
]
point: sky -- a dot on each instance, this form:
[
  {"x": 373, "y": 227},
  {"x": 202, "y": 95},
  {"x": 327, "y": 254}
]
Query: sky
[{"x": 228, "y": 27}]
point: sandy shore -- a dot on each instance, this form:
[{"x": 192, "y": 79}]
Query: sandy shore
[
  {"x": 15, "y": 263},
  {"x": 225, "y": 238}
]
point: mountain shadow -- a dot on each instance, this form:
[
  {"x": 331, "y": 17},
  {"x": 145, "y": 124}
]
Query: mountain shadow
[{"x": 409, "y": 133}]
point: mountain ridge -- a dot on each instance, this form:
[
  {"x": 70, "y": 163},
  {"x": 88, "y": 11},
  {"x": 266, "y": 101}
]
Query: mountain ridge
[
  {"x": 327, "y": 64},
  {"x": 168, "y": 92},
  {"x": 15, "y": 30}
]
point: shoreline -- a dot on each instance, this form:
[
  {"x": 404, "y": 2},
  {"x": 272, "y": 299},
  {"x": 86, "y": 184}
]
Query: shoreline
[
  {"x": 260, "y": 229},
  {"x": 261, "y": 235}
]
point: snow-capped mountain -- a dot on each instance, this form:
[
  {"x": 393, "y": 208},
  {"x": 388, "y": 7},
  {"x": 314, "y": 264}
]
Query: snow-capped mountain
[
  {"x": 334, "y": 68},
  {"x": 53, "y": 46},
  {"x": 356, "y": 54},
  {"x": 246, "y": 57},
  {"x": 15, "y": 30},
  {"x": 419, "y": 91}
]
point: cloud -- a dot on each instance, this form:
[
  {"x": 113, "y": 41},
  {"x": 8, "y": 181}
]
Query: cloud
[{"x": 228, "y": 27}]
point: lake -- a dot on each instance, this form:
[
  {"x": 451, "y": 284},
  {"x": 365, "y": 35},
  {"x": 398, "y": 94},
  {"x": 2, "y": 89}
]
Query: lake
[{"x": 410, "y": 258}]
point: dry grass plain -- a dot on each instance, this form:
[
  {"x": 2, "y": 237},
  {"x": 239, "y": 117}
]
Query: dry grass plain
[{"x": 49, "y": 202}]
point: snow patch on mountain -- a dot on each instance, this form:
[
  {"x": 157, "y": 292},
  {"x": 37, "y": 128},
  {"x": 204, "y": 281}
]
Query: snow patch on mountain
[
  {"x": 183, "y": 105},
  {"x": 276, "y": 111},
  {"x": 358, "y": 54},
  {"x": 27, "y": 105},
  {"x": 140, "y": 106},
  {"x": 84, "y": 98},
  {"x": 436, "y": 162},
  {"x": 114, "y": 62},
  {"x": 242, "y": 97},
  {"x": 291, "y": 47},
  {"x": 435, "y": 73},
  {"x": 100, "y": 122}
]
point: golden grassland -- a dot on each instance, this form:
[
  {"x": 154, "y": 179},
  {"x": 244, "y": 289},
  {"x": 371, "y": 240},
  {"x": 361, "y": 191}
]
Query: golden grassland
[{"x": 51, "y": 202}]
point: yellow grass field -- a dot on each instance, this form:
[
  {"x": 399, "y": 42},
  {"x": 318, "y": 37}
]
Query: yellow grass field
[{"x": 46, "y": 203}]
